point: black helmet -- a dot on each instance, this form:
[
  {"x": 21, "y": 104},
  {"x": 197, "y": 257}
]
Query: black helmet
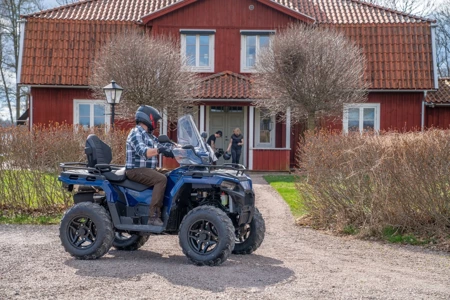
[
  {"x": 226, "y": 156},
  {"x": 149, "y": 116}
]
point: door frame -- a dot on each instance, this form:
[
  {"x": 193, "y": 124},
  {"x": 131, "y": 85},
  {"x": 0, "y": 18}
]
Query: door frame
[{"x": 245, "y": 131}]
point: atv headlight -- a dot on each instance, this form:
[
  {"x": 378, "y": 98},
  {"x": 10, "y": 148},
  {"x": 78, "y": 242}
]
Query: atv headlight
[
  {"x": 246, "y": 185},
  {"x": 228, "y": 185}
]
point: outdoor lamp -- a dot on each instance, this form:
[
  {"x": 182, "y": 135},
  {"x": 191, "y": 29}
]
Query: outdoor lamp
[{"x": 113, "y": 92}]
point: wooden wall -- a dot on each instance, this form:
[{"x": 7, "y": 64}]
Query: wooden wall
[
  {"x": 55, "y": 105},
  {"x": 437, "y": 117},
  {"x": 271, "y": 160},
  {"x": 227, "y": 18},
  {"x": 400, "y": 111}
]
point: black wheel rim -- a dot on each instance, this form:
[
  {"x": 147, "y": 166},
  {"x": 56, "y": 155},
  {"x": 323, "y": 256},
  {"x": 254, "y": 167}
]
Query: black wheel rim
[
  {"x": 82, "y": 233},
  {"x": 203, "y": 237},
  {"x": 123, "y": 236},
  {"x": 242, "y": 234}
]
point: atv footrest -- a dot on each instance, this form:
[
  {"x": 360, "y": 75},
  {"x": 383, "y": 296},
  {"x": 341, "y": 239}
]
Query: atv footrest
[{"x": 140, "y": 228}]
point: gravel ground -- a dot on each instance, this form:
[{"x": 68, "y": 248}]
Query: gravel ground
[{"x": 292, "y": 263}]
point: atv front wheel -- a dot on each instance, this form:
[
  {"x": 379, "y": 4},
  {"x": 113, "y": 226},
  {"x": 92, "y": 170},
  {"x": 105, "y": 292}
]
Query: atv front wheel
[
  {"x": 86, "y": 231},
  {"x": 206, "y": 236},
  {"x": 129, "y": 242},
  {"x": 250, "y": 236}
]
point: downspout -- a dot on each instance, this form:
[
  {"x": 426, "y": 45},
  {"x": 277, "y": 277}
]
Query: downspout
[
  {"x": 31, "y": 112},
  {"x": 422, "y": 126}
]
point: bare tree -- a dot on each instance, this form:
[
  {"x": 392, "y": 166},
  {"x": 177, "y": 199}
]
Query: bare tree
[
  {"x": 151, "y": 71},
  {"x": 422, "y": 8},
  {"x": 442, "y": 16},
  {"x": 313, "y": 71},
  {"x": 66, "y": 2},
  {"x": 10, "y": 11}
]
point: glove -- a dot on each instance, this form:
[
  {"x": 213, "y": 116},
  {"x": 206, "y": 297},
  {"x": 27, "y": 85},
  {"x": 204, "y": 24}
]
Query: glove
[{"x": 165, "y": 152}]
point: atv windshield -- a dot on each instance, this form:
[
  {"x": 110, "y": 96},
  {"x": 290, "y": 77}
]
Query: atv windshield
[
  {"x": 193, "y": 150},
  {"x": 188, "y": 133}
]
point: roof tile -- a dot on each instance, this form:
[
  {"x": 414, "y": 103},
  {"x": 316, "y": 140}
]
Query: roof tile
[
  {"x": 442, "y": 95},
  {"x": 225, "y": 85}
]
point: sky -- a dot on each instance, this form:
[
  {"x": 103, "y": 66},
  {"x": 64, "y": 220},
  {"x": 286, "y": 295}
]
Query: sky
[{"x": 50, "y": 3}]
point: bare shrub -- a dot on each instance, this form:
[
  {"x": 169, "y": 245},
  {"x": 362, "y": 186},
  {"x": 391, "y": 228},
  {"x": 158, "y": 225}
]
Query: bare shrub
[
  {"x": 150, "y": 69},
  {"x": 312, "y": 70},
  {"x": 373, "y": 181},
  {"x": 29, "y": 163}
]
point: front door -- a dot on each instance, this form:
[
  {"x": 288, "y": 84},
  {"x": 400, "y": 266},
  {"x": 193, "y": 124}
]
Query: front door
[{"x": 226, "y": 119}]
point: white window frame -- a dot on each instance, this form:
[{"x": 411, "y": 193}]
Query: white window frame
[
  {"x": 76, "y": 111},
  {"x": 258, "y": 143},
  {"x": 361, "y": 115},
  {"x": 258, "y": 34},
  {"x": 197, "y": 34}
]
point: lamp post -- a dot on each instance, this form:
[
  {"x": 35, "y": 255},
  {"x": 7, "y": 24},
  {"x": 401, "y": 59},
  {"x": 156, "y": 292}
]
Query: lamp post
[{"x": 113, "y": 92}]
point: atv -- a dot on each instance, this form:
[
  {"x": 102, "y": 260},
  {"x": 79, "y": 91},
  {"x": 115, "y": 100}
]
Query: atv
[{"x": 211, "y": 207}]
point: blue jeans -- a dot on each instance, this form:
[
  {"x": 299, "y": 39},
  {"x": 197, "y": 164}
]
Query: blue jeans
[{"x": 235, "y": 155}]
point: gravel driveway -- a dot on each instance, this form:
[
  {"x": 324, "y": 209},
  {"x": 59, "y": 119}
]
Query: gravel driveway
[{"x": 292, "y": 263}]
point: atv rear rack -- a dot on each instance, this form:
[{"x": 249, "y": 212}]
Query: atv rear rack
[{"x": 83, "y": 166}]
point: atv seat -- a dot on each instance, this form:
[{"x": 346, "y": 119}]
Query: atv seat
[
  {"x": 115, "y": 175},
  {"x": 99, "y": 156}
]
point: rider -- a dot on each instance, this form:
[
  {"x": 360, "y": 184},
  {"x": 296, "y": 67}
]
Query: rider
[{"x": 142, "y": 158}]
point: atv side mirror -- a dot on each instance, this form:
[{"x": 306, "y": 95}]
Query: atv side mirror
[
  {"x": 164, "y": 139},
  {"x": 204, "y": 135}
]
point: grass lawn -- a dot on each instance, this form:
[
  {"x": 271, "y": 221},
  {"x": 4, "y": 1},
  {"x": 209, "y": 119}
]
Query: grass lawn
[
  {"x": 28, "y": 219},
  {"x": 285, "y": 185}
]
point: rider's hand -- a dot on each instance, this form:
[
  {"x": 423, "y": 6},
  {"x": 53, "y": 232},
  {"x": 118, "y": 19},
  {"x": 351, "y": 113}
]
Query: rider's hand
[{"x": 165, "y": 152}]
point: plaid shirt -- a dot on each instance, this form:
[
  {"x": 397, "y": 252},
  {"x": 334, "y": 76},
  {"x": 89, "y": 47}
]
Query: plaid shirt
[{"x": 138, "y": 142}]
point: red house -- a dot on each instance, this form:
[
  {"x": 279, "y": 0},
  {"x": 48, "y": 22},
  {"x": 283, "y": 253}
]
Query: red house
[{"x": 224, "y": 38}]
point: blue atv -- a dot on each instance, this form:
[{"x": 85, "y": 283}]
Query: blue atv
[{"x": 212, "y": 208}]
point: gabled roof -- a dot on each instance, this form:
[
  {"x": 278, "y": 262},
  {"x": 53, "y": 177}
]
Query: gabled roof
[
  {"x": 225, "y": 85},
  {"x": 442, "y": 95},
  {"x": 323, "y": 11}
]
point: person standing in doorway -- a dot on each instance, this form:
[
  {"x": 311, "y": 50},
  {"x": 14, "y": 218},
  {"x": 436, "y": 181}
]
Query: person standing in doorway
[
  {"x": 236, "y": 142},
  {"x": 212, "y": 140}
]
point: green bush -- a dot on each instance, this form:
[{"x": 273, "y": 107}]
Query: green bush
[
  {"x": 372, "y": 182},
  {"x": 29, "y": 164}
]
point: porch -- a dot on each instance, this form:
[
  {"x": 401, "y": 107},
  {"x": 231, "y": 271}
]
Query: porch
[{"x": 267, "y": 140}]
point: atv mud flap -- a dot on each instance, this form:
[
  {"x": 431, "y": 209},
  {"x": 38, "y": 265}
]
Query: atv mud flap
[
  {"x": 248, "y": 209},
  {"x": 245, "y": 205}
]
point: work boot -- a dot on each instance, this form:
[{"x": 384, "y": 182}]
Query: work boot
[{"x": 154, "y": 218}]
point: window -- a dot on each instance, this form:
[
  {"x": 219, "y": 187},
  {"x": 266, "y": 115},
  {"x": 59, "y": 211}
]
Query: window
[
  {"x": 265, "y": 129},
  {"x": 361, "y": 117},
  {"x": 252, "y": 43},
  {"x": 217, "y": 109},
  {"x": 198, "y": 48},
  {"x": 90, "y": 113},
  {"x": 235, "y": 109}
]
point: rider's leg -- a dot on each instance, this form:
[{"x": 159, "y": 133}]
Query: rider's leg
[{"x": 151, "y": 177}]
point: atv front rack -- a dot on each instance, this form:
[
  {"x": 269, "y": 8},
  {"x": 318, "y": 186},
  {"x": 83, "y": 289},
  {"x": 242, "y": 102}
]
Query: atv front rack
[{"x": 240, "y": 169}]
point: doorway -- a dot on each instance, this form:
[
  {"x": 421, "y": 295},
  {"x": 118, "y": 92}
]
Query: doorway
[{"x": 226, "y": 119}]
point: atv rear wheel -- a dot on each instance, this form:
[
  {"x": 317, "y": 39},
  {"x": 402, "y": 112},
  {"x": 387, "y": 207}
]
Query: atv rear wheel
[
  {"x": 129, "y": 242},
  {"x": 248, "y": 241},
  {"x": 86, "y": 231},
  {"x": 206, "y": 236}
]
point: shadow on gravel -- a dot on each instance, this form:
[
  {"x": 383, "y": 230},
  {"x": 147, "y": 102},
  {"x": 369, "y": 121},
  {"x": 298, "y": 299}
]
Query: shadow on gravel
[{"x": 238, "y": 271}]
